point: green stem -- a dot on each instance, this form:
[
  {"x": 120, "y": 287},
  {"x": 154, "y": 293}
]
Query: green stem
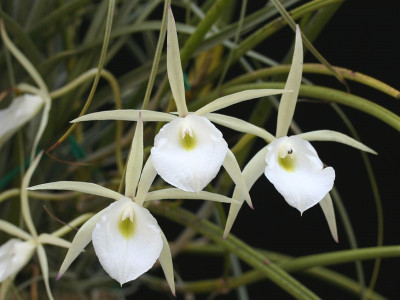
[
  {"x": 326, "y": 94},
  {"x": 317, "y": 69},
  {"x": 239, "y": 248}
]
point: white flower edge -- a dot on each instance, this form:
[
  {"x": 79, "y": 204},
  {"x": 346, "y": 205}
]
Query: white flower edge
[
  {"x": 188, "y": 152},
  {"x": 14, "y": 255},
  {"x": 294, "y": 168},
  {"x": 19, "y": 112},
  {"x": 127, "y": 240}
]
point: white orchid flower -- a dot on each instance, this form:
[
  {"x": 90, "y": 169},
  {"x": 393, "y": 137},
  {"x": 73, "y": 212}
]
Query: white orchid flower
[
  {"x": 291, "y": 163},
  {"x": 16, "y": 252},
  {"x": 14, "y": 255},
  {"x": 294, "y": 168},
  {"x": 189, "y": 151},
  {"x": 125, "y": 236},
  {"x": 21, "y": 110}
]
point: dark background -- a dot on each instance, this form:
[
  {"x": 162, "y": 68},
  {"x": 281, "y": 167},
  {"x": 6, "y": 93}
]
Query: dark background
[{"x": 362, "y": 36}]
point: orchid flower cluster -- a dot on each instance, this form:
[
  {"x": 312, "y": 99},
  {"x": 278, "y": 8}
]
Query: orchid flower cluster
[{"x": 188, "y": 154}]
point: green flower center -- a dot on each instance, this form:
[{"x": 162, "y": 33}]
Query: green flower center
[
  {"x": 127, "y": 224},
  {"x": 287, "y": 161},
  {"x": 188, "y": 141}
]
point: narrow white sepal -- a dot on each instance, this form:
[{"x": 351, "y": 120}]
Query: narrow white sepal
[
  {"x": 83, "y": 187},
  {"x": 193, "y": 165},
  {"x": 125, "y": 254},
  {"x": 238, "y": 97},
  {"x": 294, "y": 168},
  {"x": 334, "y": 136},
  {"x": 166, "y": 263},
  {"x": 145, "y": 182},
  {"x": 46, "y": 238},
  {"x": 80, "y": 241},
  {"x": 14, "y": 255},
  {"x": 240, "y": 125},
  {"x": 232, "y": 167},
  {"x": 11, "y": 229},
  {"x": 135, "y": 161},
  {"x": 174, "y": 66},
  {"x": 251, "y": 172},
  {"x": 45, "y": 269},
  {"x": 329, "y": 213},
  {"x": 21, "y": 110},
  {"x": 174, "y": 193},
  {"x": 288, "y": 100},
  {"x": 126, "y": 115}
]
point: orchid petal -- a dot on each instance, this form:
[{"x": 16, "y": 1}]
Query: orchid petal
[
  {"x": 294, "y": 168},
  {"x": 166, "y": 263},
  {"x": 126, "y": 115},
  {"x": 174, "y": 193},
  {"x": 329, "y": 213},
  {"x": 251, "y": 172},
  {"x": 46, "y": 238},
  {"x": 188, "y": 152},
  {"x": 135, "y": 161},
  {"x": 14, "y": 255},
  {"x": 334, "y": 136},
  {"x": 174, "y": 66},
  {"x": 25, "y": 210},
  {"x": 21, "y": 110},
  {"x": 71, "y": 225},
  {"x": 127, "y": 240},
  {"x": 80, "y": 241},
  {"x": 239, "y": 125},
  {"x": 83, "y": 187},
  {"x": 238, "y": 97},
  {"x": 43, "y": 123},
  {"x": 146, "y": 179},
  {"x": 232, "y": 167},
  {"x": 288, "y": 100},
  {"x": 45, "y": 269},
  {"x": 11, "y": 229}
]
